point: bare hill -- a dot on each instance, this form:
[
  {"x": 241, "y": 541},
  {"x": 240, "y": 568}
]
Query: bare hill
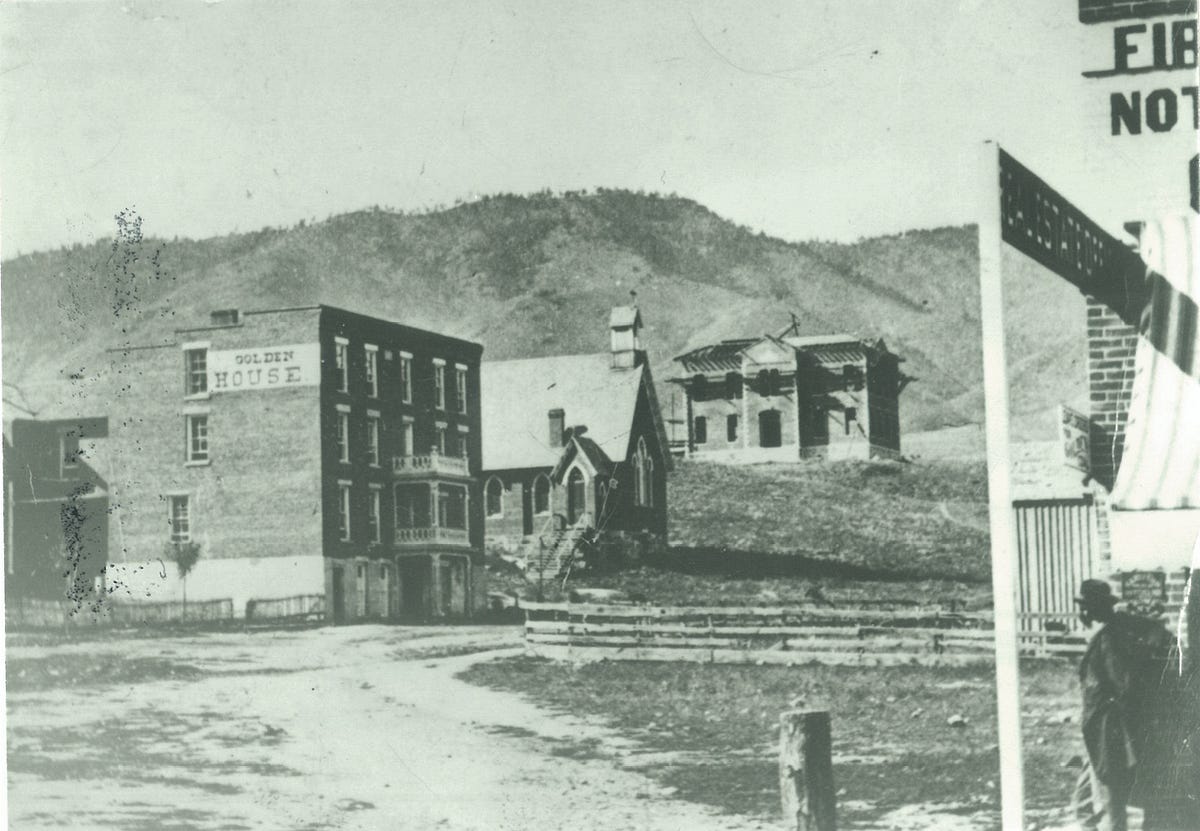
[{"x": 529, "y": 276}]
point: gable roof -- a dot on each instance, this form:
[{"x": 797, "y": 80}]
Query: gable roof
[
  {"x": 518, "y": 395},
  {"x": 624, "y": 316},
  {"x": 582, "y": 446}
]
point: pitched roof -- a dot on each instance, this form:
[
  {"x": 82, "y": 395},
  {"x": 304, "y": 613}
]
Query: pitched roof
[
  {"x": 590, "y": 450},
  {"x": 518, "y": 395},
  {"x": 725, "y": 355}
]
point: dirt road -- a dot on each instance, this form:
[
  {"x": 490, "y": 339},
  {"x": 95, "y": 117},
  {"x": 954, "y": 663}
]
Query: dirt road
[{"x": 339, "y": 728}]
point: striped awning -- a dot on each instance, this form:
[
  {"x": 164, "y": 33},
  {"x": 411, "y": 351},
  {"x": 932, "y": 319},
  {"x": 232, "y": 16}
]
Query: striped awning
[{"x": 1160, "y": 467}]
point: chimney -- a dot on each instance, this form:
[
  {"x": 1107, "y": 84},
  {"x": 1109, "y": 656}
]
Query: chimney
[
  {"x": 557, "y": 422},
  {"x": 623, "y": 326},
  {"x": 225, "y": 317}
]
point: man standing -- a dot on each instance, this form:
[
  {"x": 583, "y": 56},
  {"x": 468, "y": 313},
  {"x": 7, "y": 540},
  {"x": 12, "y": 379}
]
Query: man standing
[{"x": 1130, "y": 681}]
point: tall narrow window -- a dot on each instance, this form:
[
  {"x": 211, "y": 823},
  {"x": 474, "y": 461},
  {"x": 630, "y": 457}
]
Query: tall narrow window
[
  {"x": 69, "y": 452},
  {"x": 371, "y": 356},
  {"x": 541, "y": 494},
  {"x": 197, "y": 438},
  {"x": 464, "y": 443},
  {"x": 576, "y": 495},
  {"x": 460, "y": 388},
  {"x": 344, "y": 511},
  {"x": 181, "y": 519},
  {"x": 406, "y": 384},
  {"x": 731, "y": 427},
  {"x": 452, "y": 507},
  {"x": 439, "y": 384},
  {"x": 494, "y": 497},
  {"x": 373, "y": 531},
  {"x": 700, "y": 429},
  {"x": 343, "y": 436},
  {"x": 195, "y": 363},
  {"x": 440, "y": 430},
  {"x": 851, "y": 414},
  {"x": 406, "y": 438},
  {"x": 643, "y": 482},
  {"x": 373, "y": 439},
  {"x": 341, "y": 348},
  {"x": 361, "y": 588}
]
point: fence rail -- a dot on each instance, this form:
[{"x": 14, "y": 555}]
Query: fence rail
[
  {"x": 779, "y": 635},
  {"x": 305, "y": 606},
  {"x": 35, "y": 613}
]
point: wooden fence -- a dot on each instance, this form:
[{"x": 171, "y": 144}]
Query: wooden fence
[
  {"x": 300, "y": 607},
  {"x": 42, "y": 614},
  {"x": 928, "y": 636}
]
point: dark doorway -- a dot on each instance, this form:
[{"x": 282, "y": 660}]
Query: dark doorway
[
  {"x": 339, "y": 600},
  {"x": 526, "y": 509},
  {"x": 769, "y": 433},
  {"x": 414, "y": 575}
]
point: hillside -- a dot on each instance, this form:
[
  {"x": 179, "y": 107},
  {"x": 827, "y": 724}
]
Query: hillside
[{"x": 529, "y": 276}]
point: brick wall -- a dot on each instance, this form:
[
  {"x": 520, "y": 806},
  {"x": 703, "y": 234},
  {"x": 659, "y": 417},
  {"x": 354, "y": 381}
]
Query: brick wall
[
  {"x": 1112, "y": 345},
  {"x": 1102, "y": 11}
]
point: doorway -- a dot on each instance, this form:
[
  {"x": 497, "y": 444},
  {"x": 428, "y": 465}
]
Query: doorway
[
  {"x": 339, "y": 599},
  {"x": 769, "y": 432}
]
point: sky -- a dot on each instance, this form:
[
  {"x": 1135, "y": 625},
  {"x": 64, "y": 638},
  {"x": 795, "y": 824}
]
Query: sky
[{"x": 805, "y": 119}]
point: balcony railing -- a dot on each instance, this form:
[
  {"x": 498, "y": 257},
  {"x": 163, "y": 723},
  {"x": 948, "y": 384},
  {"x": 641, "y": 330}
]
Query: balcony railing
[
  {"x": 433, "y": 464},
  {"x": 432, "y": 536}
]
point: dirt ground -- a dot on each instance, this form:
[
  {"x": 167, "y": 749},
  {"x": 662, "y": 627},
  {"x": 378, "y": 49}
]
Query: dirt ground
[
  {"x": 334, "y": 728},
  {"x": 362, "y": 727}
]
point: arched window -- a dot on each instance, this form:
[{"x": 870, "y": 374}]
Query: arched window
[
  {"x": 541, "y": 494},
  {"x": 576, "y": 495},
  {"x": 643, "y": 482},
  {"x": 494, "y": 497}
]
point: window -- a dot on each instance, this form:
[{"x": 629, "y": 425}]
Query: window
[
  {"x": 373, "y": 529},
  {"x": 851, "y": 417},
  {"x": 343, "y": 436},
  {"x": 181, "y": 519},
  {"x": 464, "y": 443},
  {"x": 373, "y": 439},
  {"x": 731, "y": 425},
  {"x": 439, "y": 384},
  {"x": 195, "y": 371},
  {"x": 494, "y": 497},
  {"x": 700, "y": 429},
  {"x": 406, "y": 438},
  {"x": 371, "y": 354},
  {"x": 406, "y": 387},
  {"x": 541, "y": 494},
  {"x": 733, "y": 385},
  {"x": 452, "y": 507},
  {"x": 852, "y": 378},
  {"x": 361, "y": 588},
  {"x": 341, "y": 348},
  {"x": 769, "y": 432},
  {"x": 412, "y": 506},
  {"x": 440, "y": 433},
  {"x": 344, "y": 511},
  {"x": 68, "y": 450},
  {"x": 576, "y": 495},
  {"x": 643, "y": 483},
  {"x": 197, "y": 438},
  {"x": 460, "y": 388}
]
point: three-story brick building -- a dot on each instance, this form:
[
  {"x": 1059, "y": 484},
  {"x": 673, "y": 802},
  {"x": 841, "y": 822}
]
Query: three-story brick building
[{"x": 308, "y": 452}]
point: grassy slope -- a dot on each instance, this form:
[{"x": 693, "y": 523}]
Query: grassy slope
[
  {"x": 527, "y": 276},
  {"x": 892, "y": 744},
  {"x": 855, "y": 531}
]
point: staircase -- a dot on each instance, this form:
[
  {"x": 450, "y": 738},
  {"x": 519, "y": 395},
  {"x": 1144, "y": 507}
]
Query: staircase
[{"x": 550, "y": 552}]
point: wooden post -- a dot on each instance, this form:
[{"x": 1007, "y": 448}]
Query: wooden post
[{"x": 806, "y": 771}]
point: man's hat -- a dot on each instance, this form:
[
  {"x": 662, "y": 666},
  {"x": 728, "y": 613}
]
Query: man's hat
[{"x": 1095, "y": 593}]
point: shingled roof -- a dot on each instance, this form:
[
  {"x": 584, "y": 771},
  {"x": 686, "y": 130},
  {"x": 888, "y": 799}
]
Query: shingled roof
[{"x": 518, "y": 395}]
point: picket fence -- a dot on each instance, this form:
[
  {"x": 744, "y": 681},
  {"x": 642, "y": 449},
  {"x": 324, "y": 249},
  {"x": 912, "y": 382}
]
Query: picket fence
[{"x": 926, "y": 636}]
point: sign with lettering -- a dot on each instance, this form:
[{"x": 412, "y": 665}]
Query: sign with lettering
[
  {"x": 264, "y": 368},
  {"x": 1144, "y": 592},
  {"x": 1043, "y": 225},
  {"x": 1075, "y": 428}
]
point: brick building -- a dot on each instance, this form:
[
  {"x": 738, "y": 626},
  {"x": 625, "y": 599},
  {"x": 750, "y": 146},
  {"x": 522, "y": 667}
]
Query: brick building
[
  {"x": 574, "y": 448},
  {"x": 790, "y": 396},
  {"x": 308, "y": 452}
]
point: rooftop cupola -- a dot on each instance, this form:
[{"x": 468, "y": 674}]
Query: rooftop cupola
[{"x": 624, "y": 324}]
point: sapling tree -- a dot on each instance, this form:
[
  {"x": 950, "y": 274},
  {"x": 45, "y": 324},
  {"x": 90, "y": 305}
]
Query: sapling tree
[{"x": 185, "y": 555}]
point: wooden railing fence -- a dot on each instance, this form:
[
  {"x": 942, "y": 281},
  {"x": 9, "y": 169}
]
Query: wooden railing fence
[{"x": 761, "y": 635}]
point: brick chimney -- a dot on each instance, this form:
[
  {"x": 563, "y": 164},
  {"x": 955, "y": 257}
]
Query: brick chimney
[{"x": 557, "y": 419}]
